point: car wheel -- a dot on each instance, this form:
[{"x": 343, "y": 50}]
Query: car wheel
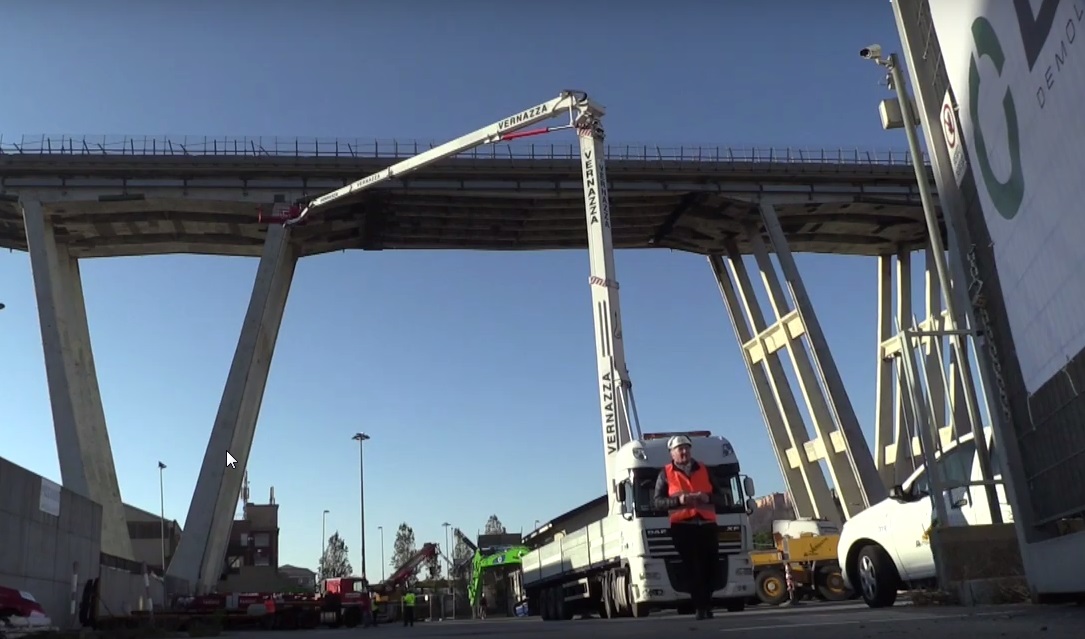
[{"x": 877, "y": 577}]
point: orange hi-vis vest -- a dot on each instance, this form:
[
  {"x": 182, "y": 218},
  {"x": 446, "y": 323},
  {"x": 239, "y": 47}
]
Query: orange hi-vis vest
[{"x": 678, "y": 483}]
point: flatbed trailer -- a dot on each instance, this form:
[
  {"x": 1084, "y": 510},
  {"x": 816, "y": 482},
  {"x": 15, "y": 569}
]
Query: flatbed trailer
[{"x": 268, "y": 611}]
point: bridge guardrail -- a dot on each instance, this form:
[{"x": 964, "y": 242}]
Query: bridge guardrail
[{"x": 271, "y": 146}]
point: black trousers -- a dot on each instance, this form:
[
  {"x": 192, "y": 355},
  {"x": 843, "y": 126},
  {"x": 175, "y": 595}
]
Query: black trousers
[
  {"x": 408, "y": 615},
  {"x": 699, "y": 550}
]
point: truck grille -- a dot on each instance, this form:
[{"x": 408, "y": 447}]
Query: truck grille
[{"x": 660, "y": 545}]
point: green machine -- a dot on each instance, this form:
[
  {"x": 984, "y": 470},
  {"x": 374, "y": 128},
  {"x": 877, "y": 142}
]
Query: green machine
[
  {"x": 500, "y": 558},
  {"x": 485, "y": 559}
]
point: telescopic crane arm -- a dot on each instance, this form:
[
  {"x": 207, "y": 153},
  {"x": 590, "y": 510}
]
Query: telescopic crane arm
[
  {"x": 574, "y": 103},
  {"x": 615, "y": 389}
]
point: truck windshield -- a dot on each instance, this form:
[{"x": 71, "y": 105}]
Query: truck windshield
[{"x": 726, "y": 477}]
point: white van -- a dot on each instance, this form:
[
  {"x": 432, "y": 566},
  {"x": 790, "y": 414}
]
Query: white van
[{"x": 887, "y": 548}]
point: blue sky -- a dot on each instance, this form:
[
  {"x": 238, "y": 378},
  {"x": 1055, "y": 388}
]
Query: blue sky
[{"x": 473, "y": 372}]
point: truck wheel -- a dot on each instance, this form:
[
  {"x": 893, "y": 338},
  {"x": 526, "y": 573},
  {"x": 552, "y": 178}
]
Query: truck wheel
[
  {"x": 544, "y": 604},
  {"x": 772, "y": 586},
  {"x": 877, "y": 577},
  {"x": 352, "y": 617},
  {"x": 829, "y": 584},
  {"x": 735, "y": 605},
  {"x": 609, "y": 609}
]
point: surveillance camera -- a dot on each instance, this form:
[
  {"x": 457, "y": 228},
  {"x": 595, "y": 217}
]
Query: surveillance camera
[{"x": 873, "y": 52}]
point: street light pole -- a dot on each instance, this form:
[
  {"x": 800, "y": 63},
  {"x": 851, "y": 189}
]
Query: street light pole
[
  {"x": 161, "y": 506},
  {"x": 934, "y": 230},
  {"x": 448, "y": 562},
  {"x": 361, "y": 439},
  {"x": 381, "y": 529},
  {"x": 323, "y": 537}
]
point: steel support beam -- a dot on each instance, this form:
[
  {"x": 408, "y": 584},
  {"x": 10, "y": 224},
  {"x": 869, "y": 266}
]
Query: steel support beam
[
  {"x": 83, "y": 448},
  {"x": 840, "y": 440},
  {"x": 201, "y": 553},
  {"x": 760, "y": 344},
  {"x": 897, "y": 442}
]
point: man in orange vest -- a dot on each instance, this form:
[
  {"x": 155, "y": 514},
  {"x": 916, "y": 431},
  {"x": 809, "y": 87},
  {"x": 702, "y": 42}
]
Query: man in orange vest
[{"x": 686, "y": 490}]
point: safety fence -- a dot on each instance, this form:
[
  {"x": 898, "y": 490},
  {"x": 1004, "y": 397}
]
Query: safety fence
[{"x": 272, "y": 146}]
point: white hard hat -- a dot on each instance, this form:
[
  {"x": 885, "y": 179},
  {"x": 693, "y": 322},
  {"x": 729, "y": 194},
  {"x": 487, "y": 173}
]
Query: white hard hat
[{"x": 678, "y": 440}]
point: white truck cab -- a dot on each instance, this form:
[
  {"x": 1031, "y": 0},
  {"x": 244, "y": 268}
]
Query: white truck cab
[
  {"x": 659, "y": 578},
  {"x": 626, "y": 564},
  {"x": 887, "y": 548}
]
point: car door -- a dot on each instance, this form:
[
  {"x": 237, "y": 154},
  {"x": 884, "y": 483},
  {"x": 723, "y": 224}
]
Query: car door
[
  {"x": 958, "y": 465},
  {"x": 910, "y": 523}
]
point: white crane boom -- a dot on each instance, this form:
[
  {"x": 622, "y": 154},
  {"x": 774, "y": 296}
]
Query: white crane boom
[
  {"x": 568, "y": 102},
  {"x": 615, "y": 388}
]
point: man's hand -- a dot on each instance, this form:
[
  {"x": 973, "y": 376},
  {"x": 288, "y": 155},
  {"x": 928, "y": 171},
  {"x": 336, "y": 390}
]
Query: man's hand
[{"x": 687, "y": 499}]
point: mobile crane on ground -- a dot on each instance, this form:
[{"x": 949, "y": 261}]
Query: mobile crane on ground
[{"x": 624, "y": 564}]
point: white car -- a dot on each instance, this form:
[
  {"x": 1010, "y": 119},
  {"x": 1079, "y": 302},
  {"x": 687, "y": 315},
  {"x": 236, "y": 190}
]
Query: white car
[{"x": 886, "y": 548}]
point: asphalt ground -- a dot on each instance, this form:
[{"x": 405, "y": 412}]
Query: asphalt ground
[{"x": 848, "y": 620}]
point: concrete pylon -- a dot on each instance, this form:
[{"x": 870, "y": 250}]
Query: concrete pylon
[
  {"x": 83, "y": 448},
  {"x": 201, "y": 553}
]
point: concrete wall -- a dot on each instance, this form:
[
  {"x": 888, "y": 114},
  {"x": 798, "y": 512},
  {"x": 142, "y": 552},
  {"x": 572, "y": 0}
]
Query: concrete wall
[
  {"x": 38, "y": 548},
  {"x": 44, "y": 529}
]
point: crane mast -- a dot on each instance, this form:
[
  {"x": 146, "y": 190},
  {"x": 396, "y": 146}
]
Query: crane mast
[{"x": 615, "y": 389}]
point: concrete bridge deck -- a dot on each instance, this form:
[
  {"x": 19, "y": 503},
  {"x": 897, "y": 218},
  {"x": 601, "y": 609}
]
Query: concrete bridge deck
[{"x": 161, "y": 196}]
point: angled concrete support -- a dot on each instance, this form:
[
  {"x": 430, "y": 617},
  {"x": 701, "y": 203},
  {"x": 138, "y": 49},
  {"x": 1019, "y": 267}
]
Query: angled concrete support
[
  {"x": 86, "y": 457},
  {"x": 840, "y": 440},
  {"x": 761, "y": 344},
  {"x": 202, "y": 550},
  {"x": 939, "y": 385}
]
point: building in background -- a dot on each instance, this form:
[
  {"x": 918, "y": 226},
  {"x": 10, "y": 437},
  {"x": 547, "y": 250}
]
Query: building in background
[
  {"x": 146, "y": 530},
  {"x": 252, "y": 555},
  {"x": 770, "y": 508},
  {"x": 303, "y": 578}
]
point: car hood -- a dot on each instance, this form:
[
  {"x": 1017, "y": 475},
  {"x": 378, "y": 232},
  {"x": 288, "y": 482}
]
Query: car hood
[{"x": 867, "y": 522}]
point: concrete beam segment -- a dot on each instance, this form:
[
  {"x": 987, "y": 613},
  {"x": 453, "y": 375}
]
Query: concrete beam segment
[
  {"x": 201, "y": 552},
  {"x": 86, "y": 457}
]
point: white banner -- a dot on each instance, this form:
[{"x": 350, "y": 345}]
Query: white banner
[
  {"x": 49, "y": 498},
  {"x": 1017, "y": 69}
]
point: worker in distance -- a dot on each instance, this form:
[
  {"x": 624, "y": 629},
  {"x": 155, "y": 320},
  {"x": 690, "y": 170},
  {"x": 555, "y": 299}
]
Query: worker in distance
[{"x": 687, "y": 491}]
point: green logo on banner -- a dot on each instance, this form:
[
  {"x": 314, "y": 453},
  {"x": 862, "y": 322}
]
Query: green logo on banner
[
  {"x": 1035, "y": 28},
  {"x": 1006, "y": 196}
]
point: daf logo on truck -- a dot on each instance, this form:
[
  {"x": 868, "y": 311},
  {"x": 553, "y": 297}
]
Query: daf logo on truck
[{"x": 530, "y": 114}]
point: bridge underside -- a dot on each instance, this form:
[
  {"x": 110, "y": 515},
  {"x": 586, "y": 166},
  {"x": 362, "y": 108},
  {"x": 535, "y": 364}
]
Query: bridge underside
[
  {"x": 117, "y": 206},
  {"x": 88, "y": 206}
]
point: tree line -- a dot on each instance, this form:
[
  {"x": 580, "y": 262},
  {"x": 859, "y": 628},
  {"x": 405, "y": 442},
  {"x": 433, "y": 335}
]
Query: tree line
[{"x": 335, "y": 561}]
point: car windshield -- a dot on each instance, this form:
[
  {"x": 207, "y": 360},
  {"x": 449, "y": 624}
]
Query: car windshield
[{"x": 726, "y": 477}]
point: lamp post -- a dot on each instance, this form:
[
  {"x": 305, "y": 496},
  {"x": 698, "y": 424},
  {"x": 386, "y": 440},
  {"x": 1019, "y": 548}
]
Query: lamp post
[
  {"x": 448, "y": 562},
  {"x": 381, "y": 529},
  {"x": 361, "y": 439},
  {"x": 323, "y": 535},
  {"x": 161, "y": 506},
  {"x": 908, "y": 122}
]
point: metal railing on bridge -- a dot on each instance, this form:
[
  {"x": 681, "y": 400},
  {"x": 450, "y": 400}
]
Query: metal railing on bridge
[{"x": 397, "y": 149}]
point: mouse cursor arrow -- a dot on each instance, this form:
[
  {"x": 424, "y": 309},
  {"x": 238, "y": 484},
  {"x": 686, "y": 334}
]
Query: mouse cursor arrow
[{"x": 230, "y": 461}]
